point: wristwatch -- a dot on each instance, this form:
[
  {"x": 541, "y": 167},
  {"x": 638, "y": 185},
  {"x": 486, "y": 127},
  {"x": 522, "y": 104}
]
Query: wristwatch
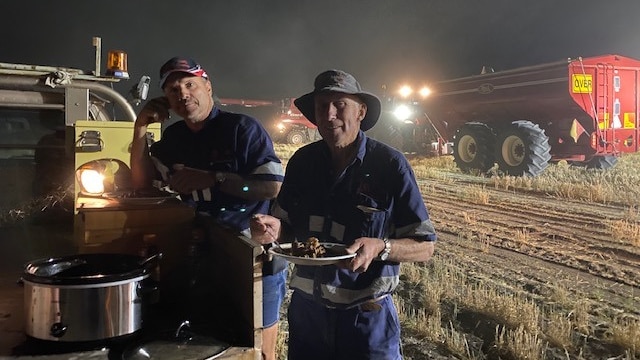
[{"x": 384, "y": 254}]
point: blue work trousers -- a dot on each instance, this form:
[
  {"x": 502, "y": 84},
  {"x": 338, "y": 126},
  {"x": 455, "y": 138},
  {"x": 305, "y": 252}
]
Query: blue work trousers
[{"x": 370, "y": 331}]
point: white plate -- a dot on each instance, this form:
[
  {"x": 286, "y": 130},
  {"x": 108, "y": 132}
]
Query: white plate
[
  {"x": 137, "y": 200},
  {"x": 327, "y": 260}
]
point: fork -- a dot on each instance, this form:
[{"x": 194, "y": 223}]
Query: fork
[{"x": 275, "y": 240}]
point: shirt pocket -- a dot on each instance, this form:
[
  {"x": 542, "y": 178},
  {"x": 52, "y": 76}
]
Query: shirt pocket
[{"x": 373, "y": 216}]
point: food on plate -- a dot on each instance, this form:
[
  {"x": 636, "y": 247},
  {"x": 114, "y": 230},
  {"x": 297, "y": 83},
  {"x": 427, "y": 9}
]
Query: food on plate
[
  {"x": 140, "y": 193},
  {"x": 309, "y": 249},
  {"x": 312, "y": 252}
]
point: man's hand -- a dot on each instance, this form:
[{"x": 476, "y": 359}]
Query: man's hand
[
  {"x": 366, "y": 250},
  {"x": 185, "y": 179},
  {"x": 155, "y": 110},
  {"x": 265, "y": 229}
]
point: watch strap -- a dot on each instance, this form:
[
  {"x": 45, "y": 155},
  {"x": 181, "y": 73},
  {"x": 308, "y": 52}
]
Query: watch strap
[{"x": 384, "y": 254}]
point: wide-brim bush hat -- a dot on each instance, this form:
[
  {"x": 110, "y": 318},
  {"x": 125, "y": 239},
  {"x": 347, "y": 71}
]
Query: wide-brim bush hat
[{"x": 342, "y": 82}]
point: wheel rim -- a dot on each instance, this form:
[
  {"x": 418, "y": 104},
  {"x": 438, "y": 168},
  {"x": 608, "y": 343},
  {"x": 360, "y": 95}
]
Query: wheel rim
[
  {"x": 513, "y": 151},
  {"x": 296, "y": 139},
  {"x": 467, "y": 148}
]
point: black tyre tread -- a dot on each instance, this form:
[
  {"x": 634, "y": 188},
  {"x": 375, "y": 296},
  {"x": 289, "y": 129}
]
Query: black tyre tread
[
  {"x": 484, "y": 138},
  {"x": 538, "y": 149}
]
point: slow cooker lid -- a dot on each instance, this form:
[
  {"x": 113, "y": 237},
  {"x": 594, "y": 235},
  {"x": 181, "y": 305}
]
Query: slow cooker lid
[
  {"x": 85, "y": 269},
  {"x": 195, "y": 347}
]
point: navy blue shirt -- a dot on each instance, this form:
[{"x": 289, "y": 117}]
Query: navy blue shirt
[
  {"x": 228, "y": 142},
  {"x": 375, "y": 196}
]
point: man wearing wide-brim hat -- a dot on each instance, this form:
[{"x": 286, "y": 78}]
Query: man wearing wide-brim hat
[{"x": 351, "y": 190}]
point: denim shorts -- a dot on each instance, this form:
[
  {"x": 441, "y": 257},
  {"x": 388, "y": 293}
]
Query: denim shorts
[{"x": 274, "y": 288}]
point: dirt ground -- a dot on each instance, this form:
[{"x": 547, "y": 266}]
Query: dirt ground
[
  {"x": 536, "y": 245},
  {"x": 552, "y": 251},
  {"x": 544, "y": 248}
]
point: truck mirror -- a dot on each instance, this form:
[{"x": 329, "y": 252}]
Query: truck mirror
[{"x": 141, "y": 90}]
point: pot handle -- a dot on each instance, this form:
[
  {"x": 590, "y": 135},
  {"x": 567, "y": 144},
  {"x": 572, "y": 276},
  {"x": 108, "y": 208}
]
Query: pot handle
[
  {"x": 182, "y": 329},
  {"x": 155, "y": 257},
  {"x": 58, "y": 329},
  {"x": 148, "y": 292}
]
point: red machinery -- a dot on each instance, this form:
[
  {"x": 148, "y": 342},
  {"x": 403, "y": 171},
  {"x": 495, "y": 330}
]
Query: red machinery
[
  {"x": 582, "y": 110},
  {"x": 290, "y": 126},
  {"x": 244, "y": 102}
]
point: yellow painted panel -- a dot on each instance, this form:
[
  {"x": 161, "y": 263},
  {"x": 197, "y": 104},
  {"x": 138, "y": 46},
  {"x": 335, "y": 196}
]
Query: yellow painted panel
[
  {"x": 629, "y": 121},
  {"x": 582, "y": 83},
  {"x": 114, "y": 141},
  {"x": 115, "y": 137}
]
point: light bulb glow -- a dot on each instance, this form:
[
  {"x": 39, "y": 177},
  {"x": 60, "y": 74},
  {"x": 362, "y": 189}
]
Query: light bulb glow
[{"x": 92, "y": 181}]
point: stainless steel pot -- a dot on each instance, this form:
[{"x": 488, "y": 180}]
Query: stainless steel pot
[
  {"x": 84, "y": 297},
  {"x": 180, "y": 344}
]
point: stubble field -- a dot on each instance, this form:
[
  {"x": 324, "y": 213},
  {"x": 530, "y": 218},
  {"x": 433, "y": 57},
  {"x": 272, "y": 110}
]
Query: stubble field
[{"x": 545, "y": 268}]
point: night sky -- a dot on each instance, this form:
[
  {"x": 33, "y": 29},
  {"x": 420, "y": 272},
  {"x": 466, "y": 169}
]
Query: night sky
[{"x": 264, "y": 49}]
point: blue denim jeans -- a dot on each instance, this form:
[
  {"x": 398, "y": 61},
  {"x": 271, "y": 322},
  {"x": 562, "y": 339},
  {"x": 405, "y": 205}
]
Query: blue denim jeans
[{"x": 274, "y": 288}]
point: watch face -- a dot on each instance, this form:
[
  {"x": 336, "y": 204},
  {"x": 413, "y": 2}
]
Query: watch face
[{"x": 387, "y": 249}]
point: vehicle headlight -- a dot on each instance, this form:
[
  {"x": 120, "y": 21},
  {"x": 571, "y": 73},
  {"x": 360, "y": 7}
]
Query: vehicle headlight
[
  {"x": 402, "y": 112},
  {"x": 424, "y": 92},
  {"x": 103, "y": 176}
]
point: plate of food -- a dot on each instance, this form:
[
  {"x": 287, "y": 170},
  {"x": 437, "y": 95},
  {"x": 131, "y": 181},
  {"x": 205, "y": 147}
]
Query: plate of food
[
  {"x": 312, "y": 252},
  {"x": 141, "y": 197}
]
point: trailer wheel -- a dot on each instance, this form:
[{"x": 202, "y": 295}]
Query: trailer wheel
[
  {"x": 473, "y": 147},
  {"x": 523, "y": 149},
  {"x": 296, "y": 137}
]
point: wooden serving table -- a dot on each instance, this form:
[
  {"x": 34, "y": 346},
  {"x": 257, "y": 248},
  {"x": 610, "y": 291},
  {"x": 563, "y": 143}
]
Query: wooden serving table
[{"x": 226, "y": 300}]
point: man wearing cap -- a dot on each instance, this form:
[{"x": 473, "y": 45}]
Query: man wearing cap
[
  {"x": 221, "y": 163},
  {"x": 356, "y": 191}
]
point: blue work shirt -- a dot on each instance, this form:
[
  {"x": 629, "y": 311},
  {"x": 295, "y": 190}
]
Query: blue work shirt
[
  {"x": 228, "y": 142},
  {"x": 375, "y": 196}
]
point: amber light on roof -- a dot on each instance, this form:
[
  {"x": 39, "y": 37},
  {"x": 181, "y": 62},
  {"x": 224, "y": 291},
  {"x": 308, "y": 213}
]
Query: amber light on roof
[{"x": 117, "y": 64}]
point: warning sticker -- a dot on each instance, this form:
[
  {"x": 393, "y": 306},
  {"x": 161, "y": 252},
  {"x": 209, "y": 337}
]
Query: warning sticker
[
  {"x": 629, "y": 121},
  {"x": 581, "y": 83}
]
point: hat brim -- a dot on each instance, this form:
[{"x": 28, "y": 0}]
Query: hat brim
[
  {"x": 306, "y": 105},
  {"x": 171, "y": 72}
]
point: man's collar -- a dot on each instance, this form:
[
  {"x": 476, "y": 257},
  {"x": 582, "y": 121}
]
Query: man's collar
[{"x": 362, "y": 145}]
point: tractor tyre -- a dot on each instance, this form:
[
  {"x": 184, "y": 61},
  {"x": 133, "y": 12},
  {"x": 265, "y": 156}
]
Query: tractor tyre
[
  {"x": 522, "y": 149},
  {"x": 296, "y": 137},
  {"x": 387, "y": 133},
  {"x": 473, "y": 147}
]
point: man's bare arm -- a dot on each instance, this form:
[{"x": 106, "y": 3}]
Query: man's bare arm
[{"x": 155, "y": 110}]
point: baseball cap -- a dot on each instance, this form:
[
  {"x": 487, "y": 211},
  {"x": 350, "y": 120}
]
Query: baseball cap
[{"x": 181, "y": 64}]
